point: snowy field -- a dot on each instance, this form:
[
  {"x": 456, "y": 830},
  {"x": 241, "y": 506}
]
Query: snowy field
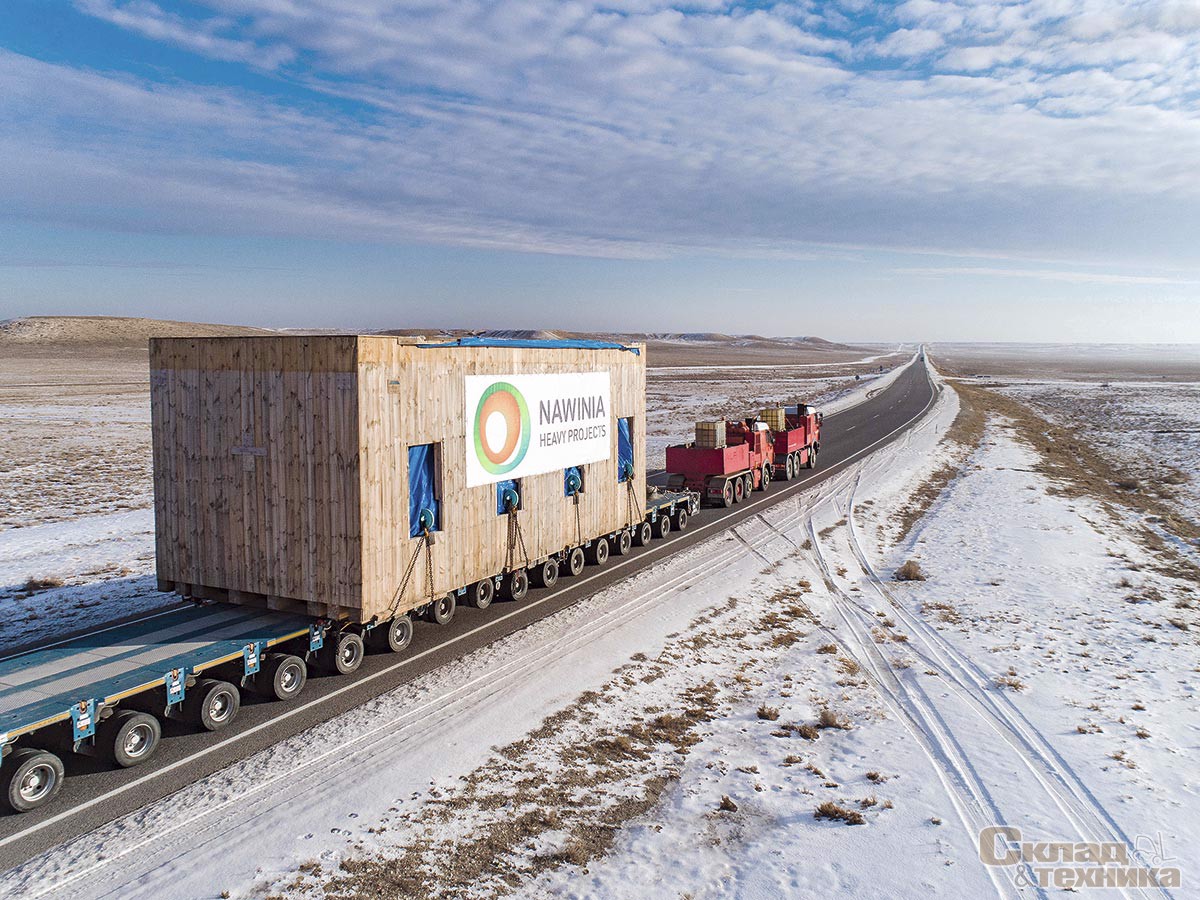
[
  {"x": 793, "y": 728},
  {"x": 1153, "y": 429}
]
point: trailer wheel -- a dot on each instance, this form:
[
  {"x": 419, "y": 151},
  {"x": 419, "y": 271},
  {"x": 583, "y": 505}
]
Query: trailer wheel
[
  {"x": 662, "y": 526},
  {"x": 575, "y": 561},
  {"x": 441, "y": 611},
  {"x": 284, "y": 675},
  {"x": 516, "y": 585},
  {"x": 642, "y": 534},
  {"x": 213, "y": 704},
  {"x": 481, "y": 593},
  {"x": 597, "y": 554},
  {"x": 739, "y": 489},
  {"x": 34, "y": 778},
  {"x": 681, "y": 519},
  {"x": 789, "y": 468},
  {"x": 622, "y": 543},
  {"x": 545, "y": 575},
  {"x": 129, "y": 738}
]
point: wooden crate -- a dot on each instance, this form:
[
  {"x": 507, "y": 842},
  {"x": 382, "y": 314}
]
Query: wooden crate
[
  {"x": 281, "y": 467},
  {"x": 710, "y": 435},
  {"x": 775, "y": 417}
]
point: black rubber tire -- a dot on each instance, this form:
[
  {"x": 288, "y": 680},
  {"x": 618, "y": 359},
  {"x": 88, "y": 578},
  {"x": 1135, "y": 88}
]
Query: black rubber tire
[
  {"x": 342, "y": 653},
  {"x": 284, "y": 675},
  {"x": 516, "y": 584},
  {"x": 545, "y": 575},
  {"x": 32, "y": 778},
  {"x": 727, "y": 495},
  {"x": 597, "y": 554},
  {"x": 393, "y": 636},
  {"x": 441, "y": 611},
  {"x": 789, "y": 470},
  {"x": 680, "y": 519},
  {"x": 662, "y": 526},
  {"x": 812, "y": 459},
  {"x": 129, "y": 738},
  {"x": 212, "y": 704},
  {"x": 575, "y": 561},
  {"x": 642, "y": 534},
  {"x": 739, "y": 489},
  {"x": 622, "y": 543},
  {"x": 766, "y": 478},
  {"x": 749, "y": 485},
  {"x": 481, "y": 594}
]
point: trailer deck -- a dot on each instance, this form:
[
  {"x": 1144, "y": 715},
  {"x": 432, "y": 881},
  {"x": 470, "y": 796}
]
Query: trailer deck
[{"x": 81, "y": 676}]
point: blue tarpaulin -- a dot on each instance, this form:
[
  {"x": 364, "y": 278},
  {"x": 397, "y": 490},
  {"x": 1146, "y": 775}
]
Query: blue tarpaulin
[
  {"x": 421, "y": 488},
  {"x": 532, "y": 344},
  {"x": 501, "y": 488},
  {"x": 569, "y": 488},
  {"x": 624, "y": 449}
]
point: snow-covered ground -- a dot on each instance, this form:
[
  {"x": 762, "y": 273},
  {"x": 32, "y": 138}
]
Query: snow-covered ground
[{"x": 1153, "y": 429}]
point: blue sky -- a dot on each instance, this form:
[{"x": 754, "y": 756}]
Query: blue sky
[{"x": 923, "y": 170}]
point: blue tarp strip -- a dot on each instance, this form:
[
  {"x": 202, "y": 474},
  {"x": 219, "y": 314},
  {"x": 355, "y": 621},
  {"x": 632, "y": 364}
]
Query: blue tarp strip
[
  {"x": 420, "y": 488},
  {"x": 533, "y": 344},
  {"x": 501, "y": 487},
  {"x": 567, "y": 492},
  {"x": 624, "y": 448}
]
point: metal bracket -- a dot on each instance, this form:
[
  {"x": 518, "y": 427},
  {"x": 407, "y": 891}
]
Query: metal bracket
[
  {"x": 316, "y": 636},
  {"x": 252, "y": 657},
  {"x": 175, "y": 682},
  {"x": 83, "y": 719}
]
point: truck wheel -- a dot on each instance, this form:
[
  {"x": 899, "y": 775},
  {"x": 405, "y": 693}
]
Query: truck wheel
[
  {"x": 481, "y": 593},
  {"x": 213, "y": 704},
  {"x": 681, "y": 519},
  {"x": 727, "y": 495},
  {"x": 749, "y": 484},
  {"x": 129, "y": 738},
  {"x": 642, "y": 534},
  {"x": 662, "y": 526},
  {"x": 789, "y": 468},
  {"x": 516, "y": 585},
  {"x": 283, "y": 675},
  {"x": 393, "y": 636},
  {"x": 545, "y": 575},
  {"x": 34, "y": 778},
  {"x": 811, "y": 461},
  {"x": 575, "y": 561},
  {"x": 441, "y": 611},
  {"x": 739, "y": 489},
  {"x": 597, "y": 554},
  {"x": 765, "y": 478},
  {"x": 622, "y": 543}
]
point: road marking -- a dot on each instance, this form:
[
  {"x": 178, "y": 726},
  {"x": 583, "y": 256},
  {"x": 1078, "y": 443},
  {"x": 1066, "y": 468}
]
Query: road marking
[{"x": 409, "y": 660}]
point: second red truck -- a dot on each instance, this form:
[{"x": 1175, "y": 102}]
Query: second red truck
[{"x": 728, "y": 460}]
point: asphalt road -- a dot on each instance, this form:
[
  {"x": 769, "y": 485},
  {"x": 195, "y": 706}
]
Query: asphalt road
[{"x": 94, "y": 794}]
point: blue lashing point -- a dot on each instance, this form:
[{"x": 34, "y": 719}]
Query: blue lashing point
[{"x": 508, "y": 499}]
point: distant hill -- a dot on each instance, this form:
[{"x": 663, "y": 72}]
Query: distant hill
[
  {"x": 104, "y": 333},
  {"x": 115, "y": 336}
]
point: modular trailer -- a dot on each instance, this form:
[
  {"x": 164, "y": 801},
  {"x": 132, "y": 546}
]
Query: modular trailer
[{"x": 303, "y": 442}]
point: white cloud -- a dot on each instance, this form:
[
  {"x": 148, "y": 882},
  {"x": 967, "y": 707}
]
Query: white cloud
[{"x": 640, "y": 128}]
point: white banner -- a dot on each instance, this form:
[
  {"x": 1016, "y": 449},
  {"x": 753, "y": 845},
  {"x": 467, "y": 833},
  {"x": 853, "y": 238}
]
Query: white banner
[{"x": 527, "y": 424}]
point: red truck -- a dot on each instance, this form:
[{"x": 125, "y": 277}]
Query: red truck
[
  {"x": 723, "y": 475},
  {"x": 797, "y": 444}
]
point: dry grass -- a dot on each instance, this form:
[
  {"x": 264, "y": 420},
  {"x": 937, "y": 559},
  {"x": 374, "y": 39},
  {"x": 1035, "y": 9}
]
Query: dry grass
[
  {"x": 830, "y": 810},
  {"x": 1010, "y": 681},
  {"x": 727, "y": 805},
  {"x": 830, "y": 719},
  {"x": 827, "y": 648},
  {"x": 910, "y": 571},
  {"x": 33, "y": 585},
  {"x": 770, "y": 713}
]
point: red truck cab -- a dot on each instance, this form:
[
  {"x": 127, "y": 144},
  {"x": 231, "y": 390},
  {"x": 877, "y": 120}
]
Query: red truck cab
[{"x": 797, "y": 445}]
